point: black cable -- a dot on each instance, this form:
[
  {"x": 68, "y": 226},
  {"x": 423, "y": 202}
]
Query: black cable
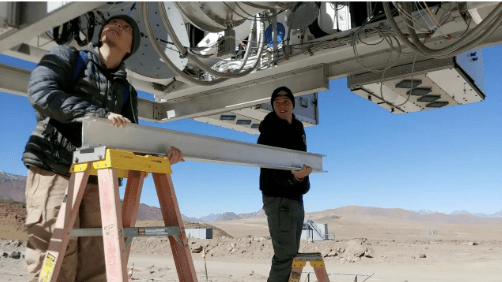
[
  {"x": 237, "y": 3},
  {"x": 76, "y": 24},
  {"x": 103, "y": 18},
  {"x": 66, "y": 35},
  {"x": 52, "y": 38}
]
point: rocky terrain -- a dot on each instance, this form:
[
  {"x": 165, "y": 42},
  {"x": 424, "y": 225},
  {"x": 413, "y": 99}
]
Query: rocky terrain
[{"x": 377, "y": 244}]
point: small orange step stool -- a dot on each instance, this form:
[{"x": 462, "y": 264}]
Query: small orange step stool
[
  {"x": 135, "y": 168},
  {"x": 316, "y": 261}
]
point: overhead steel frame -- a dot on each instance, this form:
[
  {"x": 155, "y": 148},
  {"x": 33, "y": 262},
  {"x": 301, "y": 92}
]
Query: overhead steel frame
[
  {"x": 31, "y": 19},
  {"x": 186, "y": 100}
]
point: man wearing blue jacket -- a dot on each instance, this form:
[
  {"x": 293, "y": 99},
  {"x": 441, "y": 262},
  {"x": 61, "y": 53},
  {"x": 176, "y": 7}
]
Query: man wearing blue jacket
[
  {"x": 283, "y": 190},
  {"x": 62, "y": 96}
]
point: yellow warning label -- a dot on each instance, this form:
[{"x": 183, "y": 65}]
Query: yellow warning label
[{"x": 47, "y": 268}]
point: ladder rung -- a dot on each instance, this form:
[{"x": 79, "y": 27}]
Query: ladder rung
[
  {"x": 130, "y": 231},
  {"x": 308, "y": 256}
]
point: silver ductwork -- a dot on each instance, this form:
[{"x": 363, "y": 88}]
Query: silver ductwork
[{"x": 217, "y": 16}]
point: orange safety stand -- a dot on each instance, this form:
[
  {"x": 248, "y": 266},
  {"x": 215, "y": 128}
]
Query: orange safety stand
[
  {"x": 316, "y": 261},
  {"x": 135, "y": 168}
]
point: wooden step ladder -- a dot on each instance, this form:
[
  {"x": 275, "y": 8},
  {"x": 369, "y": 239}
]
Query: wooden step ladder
[
  {"x": 118, "y": 221},
  {"x": 316, "y": 261}
]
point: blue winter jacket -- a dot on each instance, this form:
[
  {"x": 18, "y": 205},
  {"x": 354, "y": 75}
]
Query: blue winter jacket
[{"x": 61, "y": 102}]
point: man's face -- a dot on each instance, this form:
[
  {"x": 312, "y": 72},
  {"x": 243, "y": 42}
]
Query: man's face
[
  {"x": 283, "y": 107},
  {"x": 119, "y": 33}
]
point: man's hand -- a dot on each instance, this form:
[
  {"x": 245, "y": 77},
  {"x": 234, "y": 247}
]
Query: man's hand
[
  {"x": 118, "y": 120},
  {"x": 174, "y": 155},
  {"x": 302, "y": 173}
]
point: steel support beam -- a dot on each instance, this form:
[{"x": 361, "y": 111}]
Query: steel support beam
[
  {"x": 151, "y": 140},
  {"x": 244, "y": 95},
  {"x": 14, "y": 80},
  {"x": 26, "y": 52},
  {"x": 192, "y": 101},
  {"x": 34, "y": 20}
]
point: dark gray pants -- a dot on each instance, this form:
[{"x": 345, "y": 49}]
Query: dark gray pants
[{"x": 285, "y": 223}]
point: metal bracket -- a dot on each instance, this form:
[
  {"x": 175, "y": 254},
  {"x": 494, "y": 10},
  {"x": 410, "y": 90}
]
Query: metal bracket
[
  {"x": 170, "y": 87},
  {"x": 131, "y": 232},
  {"x": 89, "y": 154}
]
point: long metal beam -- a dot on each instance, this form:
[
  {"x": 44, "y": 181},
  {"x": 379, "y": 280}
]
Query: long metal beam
[
  {"x": 34, "y": 19},
  {"x": 151, "y": 140},
  {"x": 14, "y": 80}
]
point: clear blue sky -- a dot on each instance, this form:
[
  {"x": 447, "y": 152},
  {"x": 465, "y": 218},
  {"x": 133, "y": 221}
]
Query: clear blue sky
[{"x": 442, "y": 160}]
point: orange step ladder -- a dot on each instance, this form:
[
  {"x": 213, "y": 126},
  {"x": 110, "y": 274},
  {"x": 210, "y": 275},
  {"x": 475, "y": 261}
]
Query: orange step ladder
[
  {"x": 316, "y": 261},
  {"x": 118, "y": 221}
]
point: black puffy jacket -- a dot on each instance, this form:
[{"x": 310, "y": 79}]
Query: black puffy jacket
[
  {"x": 279, "y": 133},
  {"x": 61, "y": 102}
]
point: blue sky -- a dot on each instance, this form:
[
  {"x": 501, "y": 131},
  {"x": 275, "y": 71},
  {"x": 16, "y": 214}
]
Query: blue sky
[{"x": 442, "y": 160}]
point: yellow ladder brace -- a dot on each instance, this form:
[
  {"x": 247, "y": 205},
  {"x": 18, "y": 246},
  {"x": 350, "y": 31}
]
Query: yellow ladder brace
[{"x": 124, "y": 161}]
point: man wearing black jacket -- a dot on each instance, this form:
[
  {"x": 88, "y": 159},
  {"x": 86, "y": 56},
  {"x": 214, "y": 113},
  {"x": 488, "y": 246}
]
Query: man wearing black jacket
[
  {"x": 283, "y": 190},
  {"x": 62, "y": 97}
]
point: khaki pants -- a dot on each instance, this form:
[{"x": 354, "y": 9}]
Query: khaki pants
[{"x": 84, "y": 258}]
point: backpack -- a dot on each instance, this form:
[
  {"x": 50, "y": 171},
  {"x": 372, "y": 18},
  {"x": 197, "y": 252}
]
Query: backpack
[{"x": 81, "y": 60}]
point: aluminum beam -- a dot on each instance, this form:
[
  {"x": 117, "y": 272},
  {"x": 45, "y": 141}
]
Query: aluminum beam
[
  {"x": 245, "y": 95},
  {"x": 14, "y": 80},
  {"x": 26, "y": 52},
  {"x": 151, "y": 140},
  {"x": 34, "y": 20},
  {"x": 130, "y": 232}
]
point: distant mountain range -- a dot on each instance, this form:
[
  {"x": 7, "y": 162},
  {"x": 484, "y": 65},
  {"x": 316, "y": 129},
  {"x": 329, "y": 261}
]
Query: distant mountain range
[
  {"x": 13, "y": 186},
  {"x": 462, "y": 212}
]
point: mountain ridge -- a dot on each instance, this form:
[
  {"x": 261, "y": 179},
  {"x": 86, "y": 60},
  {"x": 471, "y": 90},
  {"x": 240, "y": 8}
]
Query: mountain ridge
[{"x": 12, "y": 187}]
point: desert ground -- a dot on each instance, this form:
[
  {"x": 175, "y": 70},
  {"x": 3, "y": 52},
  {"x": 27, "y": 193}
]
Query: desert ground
[{"x": 374, "y": 246}]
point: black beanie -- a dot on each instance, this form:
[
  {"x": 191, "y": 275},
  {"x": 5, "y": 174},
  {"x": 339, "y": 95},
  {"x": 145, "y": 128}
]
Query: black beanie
[
  {"x": 289, "y": 94},
  {"x": 136, "y": 37}
]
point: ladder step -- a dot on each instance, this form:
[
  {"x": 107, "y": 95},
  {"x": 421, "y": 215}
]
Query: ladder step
[
  {"x": 316, "y": 261},
  {"x": 130, "y": 231},
  {"x": 308, "y": 256}
]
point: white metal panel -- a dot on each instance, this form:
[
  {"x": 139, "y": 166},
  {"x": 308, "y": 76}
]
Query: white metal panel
[
  {"x": 334, "y": 16},
  {"x": 372, "y": 97},
  {"x": 472, "y": 64},
  {"x": 199, "y": 233},
  {"x": 232, "y": 124},
  {"x": 306, "y": 111},
  {"x": 453, "y": 83}
]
